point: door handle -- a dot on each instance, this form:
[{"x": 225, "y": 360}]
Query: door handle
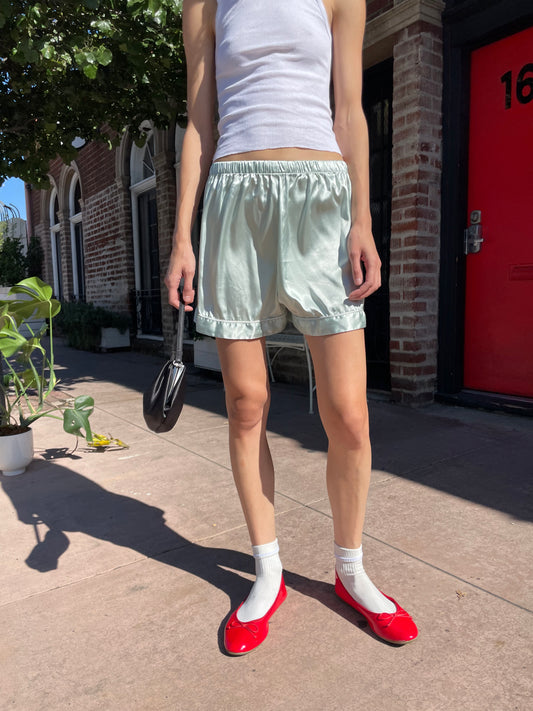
[{"x": 473, "y": 235}]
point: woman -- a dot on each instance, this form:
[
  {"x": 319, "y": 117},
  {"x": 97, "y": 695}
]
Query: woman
[{"x": 286, "y": 228}]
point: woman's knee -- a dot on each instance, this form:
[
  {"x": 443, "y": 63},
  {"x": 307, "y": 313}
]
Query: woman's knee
[
  {"x": 247, "y": 407},
  {"x": 347, "y": 425}
]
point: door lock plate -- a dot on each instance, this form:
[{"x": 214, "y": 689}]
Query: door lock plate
[{"x": 473, "y": 235}]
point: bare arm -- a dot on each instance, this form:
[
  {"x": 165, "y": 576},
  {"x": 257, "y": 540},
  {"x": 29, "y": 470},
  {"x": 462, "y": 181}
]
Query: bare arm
[
  {"x": 198, "y": 142},
  {"x": 348, "y": 25}
]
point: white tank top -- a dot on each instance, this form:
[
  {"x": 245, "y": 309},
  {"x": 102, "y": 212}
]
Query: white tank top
[{"x": 273, "y": 69}]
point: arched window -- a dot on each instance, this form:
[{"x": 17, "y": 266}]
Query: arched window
[
  {"x": 145, "y": 239},
  {"x": 142, "y": 161},
  {"x": 76, "y": 239},
  {"x": 148, "y": 161},
  {"x": 55, "y": 239}
]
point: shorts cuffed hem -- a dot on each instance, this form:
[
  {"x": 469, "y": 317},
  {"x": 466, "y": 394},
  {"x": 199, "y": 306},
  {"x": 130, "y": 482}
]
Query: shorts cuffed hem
[
  {"x": 239, "y": 330},
  {"x": 328, "y": 325}
]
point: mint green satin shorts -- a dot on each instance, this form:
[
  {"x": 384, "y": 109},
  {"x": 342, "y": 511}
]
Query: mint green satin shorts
[{"x": 273, "y": 248}]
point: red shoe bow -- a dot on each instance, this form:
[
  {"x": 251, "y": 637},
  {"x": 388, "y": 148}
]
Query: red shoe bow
[
  {"x": 395, "y": 627},
  {"x": 242, "y": 637}
]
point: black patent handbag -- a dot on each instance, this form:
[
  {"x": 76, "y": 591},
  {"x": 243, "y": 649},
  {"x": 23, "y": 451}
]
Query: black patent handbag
[{"x": 163, "y": 401}]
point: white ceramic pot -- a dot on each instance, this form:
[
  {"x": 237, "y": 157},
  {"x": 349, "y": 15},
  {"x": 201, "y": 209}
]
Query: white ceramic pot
[
  {"x": 113, "y": 338},
  {"x": 206, "y": 354},
  {"x": 16, "y": 452}
]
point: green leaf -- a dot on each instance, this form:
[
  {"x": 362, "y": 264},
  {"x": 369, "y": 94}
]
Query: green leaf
[
  {"x": 76, "y": 419},
  {"x": 10, "y": 342},
  {"x": 102, "y": 25},
  {"x": 31, "y": 345},
  {"x": 79, "y": 58},
  {"x": 34, "y": 287},
  {"x": 24, "y": 310},
  {"x": 30, "y": 380},
  {"x": 84, "y": 402},
  {"x": 48, "y": 51},
  {"x": 104, "y": 56},
  {"x": 90, "y": 71}
]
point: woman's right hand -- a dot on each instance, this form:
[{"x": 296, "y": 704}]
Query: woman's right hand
[{"x": 182, "y": 265}]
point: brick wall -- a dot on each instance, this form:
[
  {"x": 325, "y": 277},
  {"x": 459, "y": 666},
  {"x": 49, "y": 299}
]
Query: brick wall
[
  {"x": 66, "y": 251},
  {"x": 107, "y": 225},
  {"x": 40, "y": 202},
  {"x": 40, "y": 229},
  {"x": 166, "y": 210},
  {"x": 96, "y": 164},
  {"x": 106, "y": 209},
  {"x": 109, "y": 272},
  {"x": 415, "y": 212}
]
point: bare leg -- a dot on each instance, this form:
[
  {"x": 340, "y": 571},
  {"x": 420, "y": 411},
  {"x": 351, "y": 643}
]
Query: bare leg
[
  {"x": 340, "y": 369},
  {"x": 247, "y": 400},
  {"x": 340, "y": 372}
]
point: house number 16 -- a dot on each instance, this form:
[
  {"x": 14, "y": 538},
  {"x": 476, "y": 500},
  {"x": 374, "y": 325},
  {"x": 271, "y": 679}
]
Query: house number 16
[{"x": 524, "y": 85}]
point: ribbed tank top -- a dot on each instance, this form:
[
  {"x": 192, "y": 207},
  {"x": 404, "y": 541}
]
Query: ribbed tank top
[{"x": 273, "y": 69}]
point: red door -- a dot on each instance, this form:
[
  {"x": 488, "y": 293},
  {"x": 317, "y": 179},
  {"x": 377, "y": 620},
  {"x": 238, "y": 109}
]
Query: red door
[{"x": 499, "y": 278}]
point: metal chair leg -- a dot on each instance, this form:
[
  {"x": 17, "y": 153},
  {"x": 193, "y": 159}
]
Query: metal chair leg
[
  {"x": 269, "y": 365},
  {"x": 310, "y": 376}
]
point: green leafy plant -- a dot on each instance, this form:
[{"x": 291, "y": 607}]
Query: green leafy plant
[
  {"x": 34, "y": 258},
  {"x": 80, "y": 323},
  {"x": 85, "y": 70},
  {"x": 28, "y": 377},
  {"x": 12, "y": 261}
]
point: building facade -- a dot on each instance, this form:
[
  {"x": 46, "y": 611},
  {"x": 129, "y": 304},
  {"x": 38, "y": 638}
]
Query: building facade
[
  {"x": 435, "y": 327},
  {"x": 106, "y": 227}
]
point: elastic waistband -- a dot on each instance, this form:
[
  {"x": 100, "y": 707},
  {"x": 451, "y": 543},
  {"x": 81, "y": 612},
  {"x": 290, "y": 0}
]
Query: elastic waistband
[{"x": 243, "y": 167}]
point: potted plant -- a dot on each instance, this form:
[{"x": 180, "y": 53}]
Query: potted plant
[
  {"x": 90, "y": 328},
  {"x": 28, "y": 378}
]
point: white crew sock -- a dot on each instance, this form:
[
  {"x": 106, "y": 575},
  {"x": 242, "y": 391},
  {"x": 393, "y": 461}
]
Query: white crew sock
[
  {"x": 349, "y": 567},
  {"x": 268, "y": 570}
]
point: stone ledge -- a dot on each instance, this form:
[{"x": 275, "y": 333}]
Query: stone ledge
[{"x": 381, "y": 32}]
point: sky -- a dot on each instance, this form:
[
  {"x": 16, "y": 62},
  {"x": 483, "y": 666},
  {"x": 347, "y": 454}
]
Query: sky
[{"x": 12, "y": 192}]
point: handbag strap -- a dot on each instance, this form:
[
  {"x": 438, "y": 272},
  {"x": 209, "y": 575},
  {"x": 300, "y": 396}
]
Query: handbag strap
[{"x": 177, "y": 350}]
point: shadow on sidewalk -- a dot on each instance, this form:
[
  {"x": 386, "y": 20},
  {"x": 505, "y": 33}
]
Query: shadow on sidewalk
[
  {"x": 484, "y": 461},
  {"x": 65, "y": 501}
]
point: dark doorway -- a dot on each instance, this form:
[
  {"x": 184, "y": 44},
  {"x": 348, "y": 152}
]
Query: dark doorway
[
  {"x": 150, "y": 301},
  {"x": 80, "y": 261},
  {"x": 377, "y": 103},
  {"x": 57, "y": 250}
]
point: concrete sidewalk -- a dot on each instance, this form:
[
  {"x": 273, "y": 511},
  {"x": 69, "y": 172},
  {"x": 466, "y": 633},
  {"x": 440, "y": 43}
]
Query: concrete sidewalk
[{"x": 120, "y": 568}]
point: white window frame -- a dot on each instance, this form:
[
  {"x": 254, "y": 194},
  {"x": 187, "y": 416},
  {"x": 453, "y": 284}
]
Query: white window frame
[
  {"x": 141, "y": 186},
  {"x": 75, "y": 218},
  {"x": 55, "y": 240}
]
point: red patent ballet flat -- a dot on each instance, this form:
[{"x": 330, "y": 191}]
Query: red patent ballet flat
[
  {"x": 396, "y": 627},
  {"x": 242, "y": 637}
]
